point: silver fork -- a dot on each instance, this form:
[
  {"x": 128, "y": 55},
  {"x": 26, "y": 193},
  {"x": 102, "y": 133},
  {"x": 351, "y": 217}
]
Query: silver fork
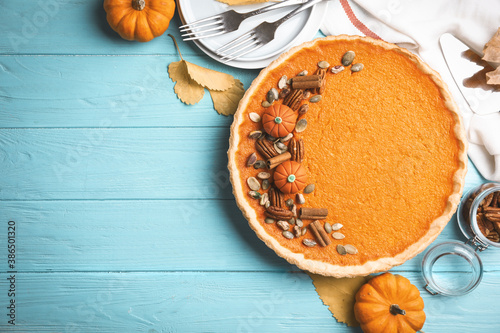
[
  {"x": 226, "y": 22},
  {"x": 258, "y": 36}
]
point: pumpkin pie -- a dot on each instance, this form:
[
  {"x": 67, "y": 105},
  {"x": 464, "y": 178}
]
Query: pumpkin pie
[{"x": 371, "y": 170}]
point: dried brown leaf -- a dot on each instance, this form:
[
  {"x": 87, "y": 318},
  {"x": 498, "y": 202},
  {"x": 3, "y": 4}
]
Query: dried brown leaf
[
  {"x": 339, "y": 295},
  {"x": 209, "y": 78},
  {"x": 188, "y": 90},
  {"x": 226, "y": 102},
  {"x": 241, "y": 2},
  {"x": 493, "y": 77}
]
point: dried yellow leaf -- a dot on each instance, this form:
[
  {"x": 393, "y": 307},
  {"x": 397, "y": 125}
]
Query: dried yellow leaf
[
  {"x": 339, "y": 295},
  {"x": 188, "y": 90},
  {"x": 226, "y": 102},
  {"x": 241, "y": 2},
  {"x": 209, "y": 78}
]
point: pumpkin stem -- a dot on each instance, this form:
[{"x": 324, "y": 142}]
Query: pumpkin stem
[
  {"x": 138, "y": 4},
  {"x": 176, "y": 46},
  {"x": 395, "y": 310}
]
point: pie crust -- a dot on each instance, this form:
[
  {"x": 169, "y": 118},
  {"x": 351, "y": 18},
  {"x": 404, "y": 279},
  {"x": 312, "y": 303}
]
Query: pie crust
[{"x": 315, "y": 262}]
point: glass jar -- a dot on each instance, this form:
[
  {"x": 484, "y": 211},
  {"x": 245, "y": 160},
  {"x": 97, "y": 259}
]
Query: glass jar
[{"x": 461, "y": 257}]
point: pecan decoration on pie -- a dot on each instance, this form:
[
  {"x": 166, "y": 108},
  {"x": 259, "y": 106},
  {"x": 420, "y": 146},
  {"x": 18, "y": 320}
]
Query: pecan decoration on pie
[
  {"x": 296, "y": 148},
  {"x": 266, "y": 148}
]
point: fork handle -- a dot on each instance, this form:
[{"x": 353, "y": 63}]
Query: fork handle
[
  {"x": 277, "y": 5},
  {"x": 295, "y": 12}
]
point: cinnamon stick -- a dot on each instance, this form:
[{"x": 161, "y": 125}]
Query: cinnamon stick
[
  {"x": 319, "y": 233},
  {"x": 277, "y": 160},
  {"x": 313, "y": 84},
  {"x": 307, "y": 213},
  {"x": 305, "y": 78}
]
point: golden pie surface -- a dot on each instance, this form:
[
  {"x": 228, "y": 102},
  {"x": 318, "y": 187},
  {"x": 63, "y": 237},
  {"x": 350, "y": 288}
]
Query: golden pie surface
[{"x": 384, "y": 147}]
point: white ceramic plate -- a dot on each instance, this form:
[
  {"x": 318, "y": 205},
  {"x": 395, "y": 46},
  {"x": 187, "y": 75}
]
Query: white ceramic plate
[{"x": 301, "y": 28}]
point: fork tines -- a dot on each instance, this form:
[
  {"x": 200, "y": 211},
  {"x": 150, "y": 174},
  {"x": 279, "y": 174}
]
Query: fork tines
[
  {"x": 239, "y": 47},
  {"x": 212, "y": 24}
]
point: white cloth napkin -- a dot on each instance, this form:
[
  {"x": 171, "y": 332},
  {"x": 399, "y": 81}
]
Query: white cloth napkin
[{"x": 417, "y": 26}]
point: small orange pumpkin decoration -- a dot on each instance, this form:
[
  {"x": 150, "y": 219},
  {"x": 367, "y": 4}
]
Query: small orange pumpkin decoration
[
  {"x": 279, "y": 120},
  {"x": 389, "y": 304},
  {"x": 140, "y": 20},
  {"x": 290, "y": 177}
]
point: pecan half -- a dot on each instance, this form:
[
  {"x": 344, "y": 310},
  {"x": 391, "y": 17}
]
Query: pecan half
[
  {"x": 293, "y": 99},
  {"x": 276, "y": 197},
  {"x": 266, "y": 148},
  {"x": 296, "y": 148},
  {"x": 278, "y": 213}
]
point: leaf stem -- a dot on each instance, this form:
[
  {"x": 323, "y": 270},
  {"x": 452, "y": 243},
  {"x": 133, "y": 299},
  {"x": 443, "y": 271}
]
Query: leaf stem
[{"x": 176, "y": 46}]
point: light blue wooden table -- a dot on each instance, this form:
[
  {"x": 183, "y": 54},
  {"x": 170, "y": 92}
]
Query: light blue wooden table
[{"x": 124, "y": 217}]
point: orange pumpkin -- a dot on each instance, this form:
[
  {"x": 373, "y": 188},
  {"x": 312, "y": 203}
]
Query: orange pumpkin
[
  {"x": 389, "y": 304},
  {"x": 140, "y": 20},
  {"x": 290, "y": 177},
  {"x": 279, "y": 120}
]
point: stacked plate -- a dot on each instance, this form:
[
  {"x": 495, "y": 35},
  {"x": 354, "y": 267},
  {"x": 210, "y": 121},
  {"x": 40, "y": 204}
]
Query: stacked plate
[{"x": 298, "y": 29}]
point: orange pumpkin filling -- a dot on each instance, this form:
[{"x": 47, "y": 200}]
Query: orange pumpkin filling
[{"x": 381, "y": 149}]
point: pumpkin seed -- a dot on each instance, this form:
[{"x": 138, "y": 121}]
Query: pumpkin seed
[
  {"x": 269, "y": 220},
  {"x": 283, "y": 225},
  {"x": 337, "y": 69},
  {"x": 306, "y": 94},
  {"x": 299, "y": 198},
  {"x": 255, "y": 117},
  {"x": 268, "y": 204},
  {"x": 281, "y": 146},
  {"x": 288, "y": 234},
  {"x": 297, "y": 231},
  {"x": 286, "y": 138},
  {"x": 282, "y": 82},
  {"x": 341, "y": 250},
  {"x": 264, "y": 198},
  {"x": 266, "y": 104},
  {"x": 263, "y": 175},
  {"x": 272, "y": 95},
  {"x": 253, "y": 183},
  {"x": 309, "y": 188},
  {"x": 291, "y": 221},
  {"x": 350, "y": 249},
  {"x": 255, "y": 135},
  {"x": 265, "y": 184},
  {"x": 303, "y": 73},
  {"x": 337, "y": 226},
  {"x": 323, "y": 64},
  {"x": 327, "y": 226},
  {"x": 338, "y": 235},
  {"x": 301, "y": 125},
  {"x": 304, "y": 231},
  {"x": 260, "y": 164},
  {"x": 289, "y": 81},
  {"x": 348, "y": 58},
  {"x": 270, "y": 137},
  {"x": 315, "y": 98},
  {"x": 289, "y": 202},
  {"x": 303, "y": 108},
  {"x": 299, "y": 223},
  {"x": 309, "y": 242},
  {"x": 357, "y": 67},
  {"x": 254, "y": 194},
  {"x": 251, "y": 159}
]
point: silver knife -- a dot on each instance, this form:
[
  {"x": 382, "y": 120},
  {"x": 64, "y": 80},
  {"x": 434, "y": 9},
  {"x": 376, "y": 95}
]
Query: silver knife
[{"x": 468, "y": 71}]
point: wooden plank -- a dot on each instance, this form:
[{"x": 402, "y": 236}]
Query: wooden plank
[
  {"x": 153, "y": 235},
  {"x": 101, "y": 91},
  {"x": 42, "y": 27},
  {"x": 209, "y": 302},
  {"x": 119, "y": 163},
  {"x": 103, "y": 163}
]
